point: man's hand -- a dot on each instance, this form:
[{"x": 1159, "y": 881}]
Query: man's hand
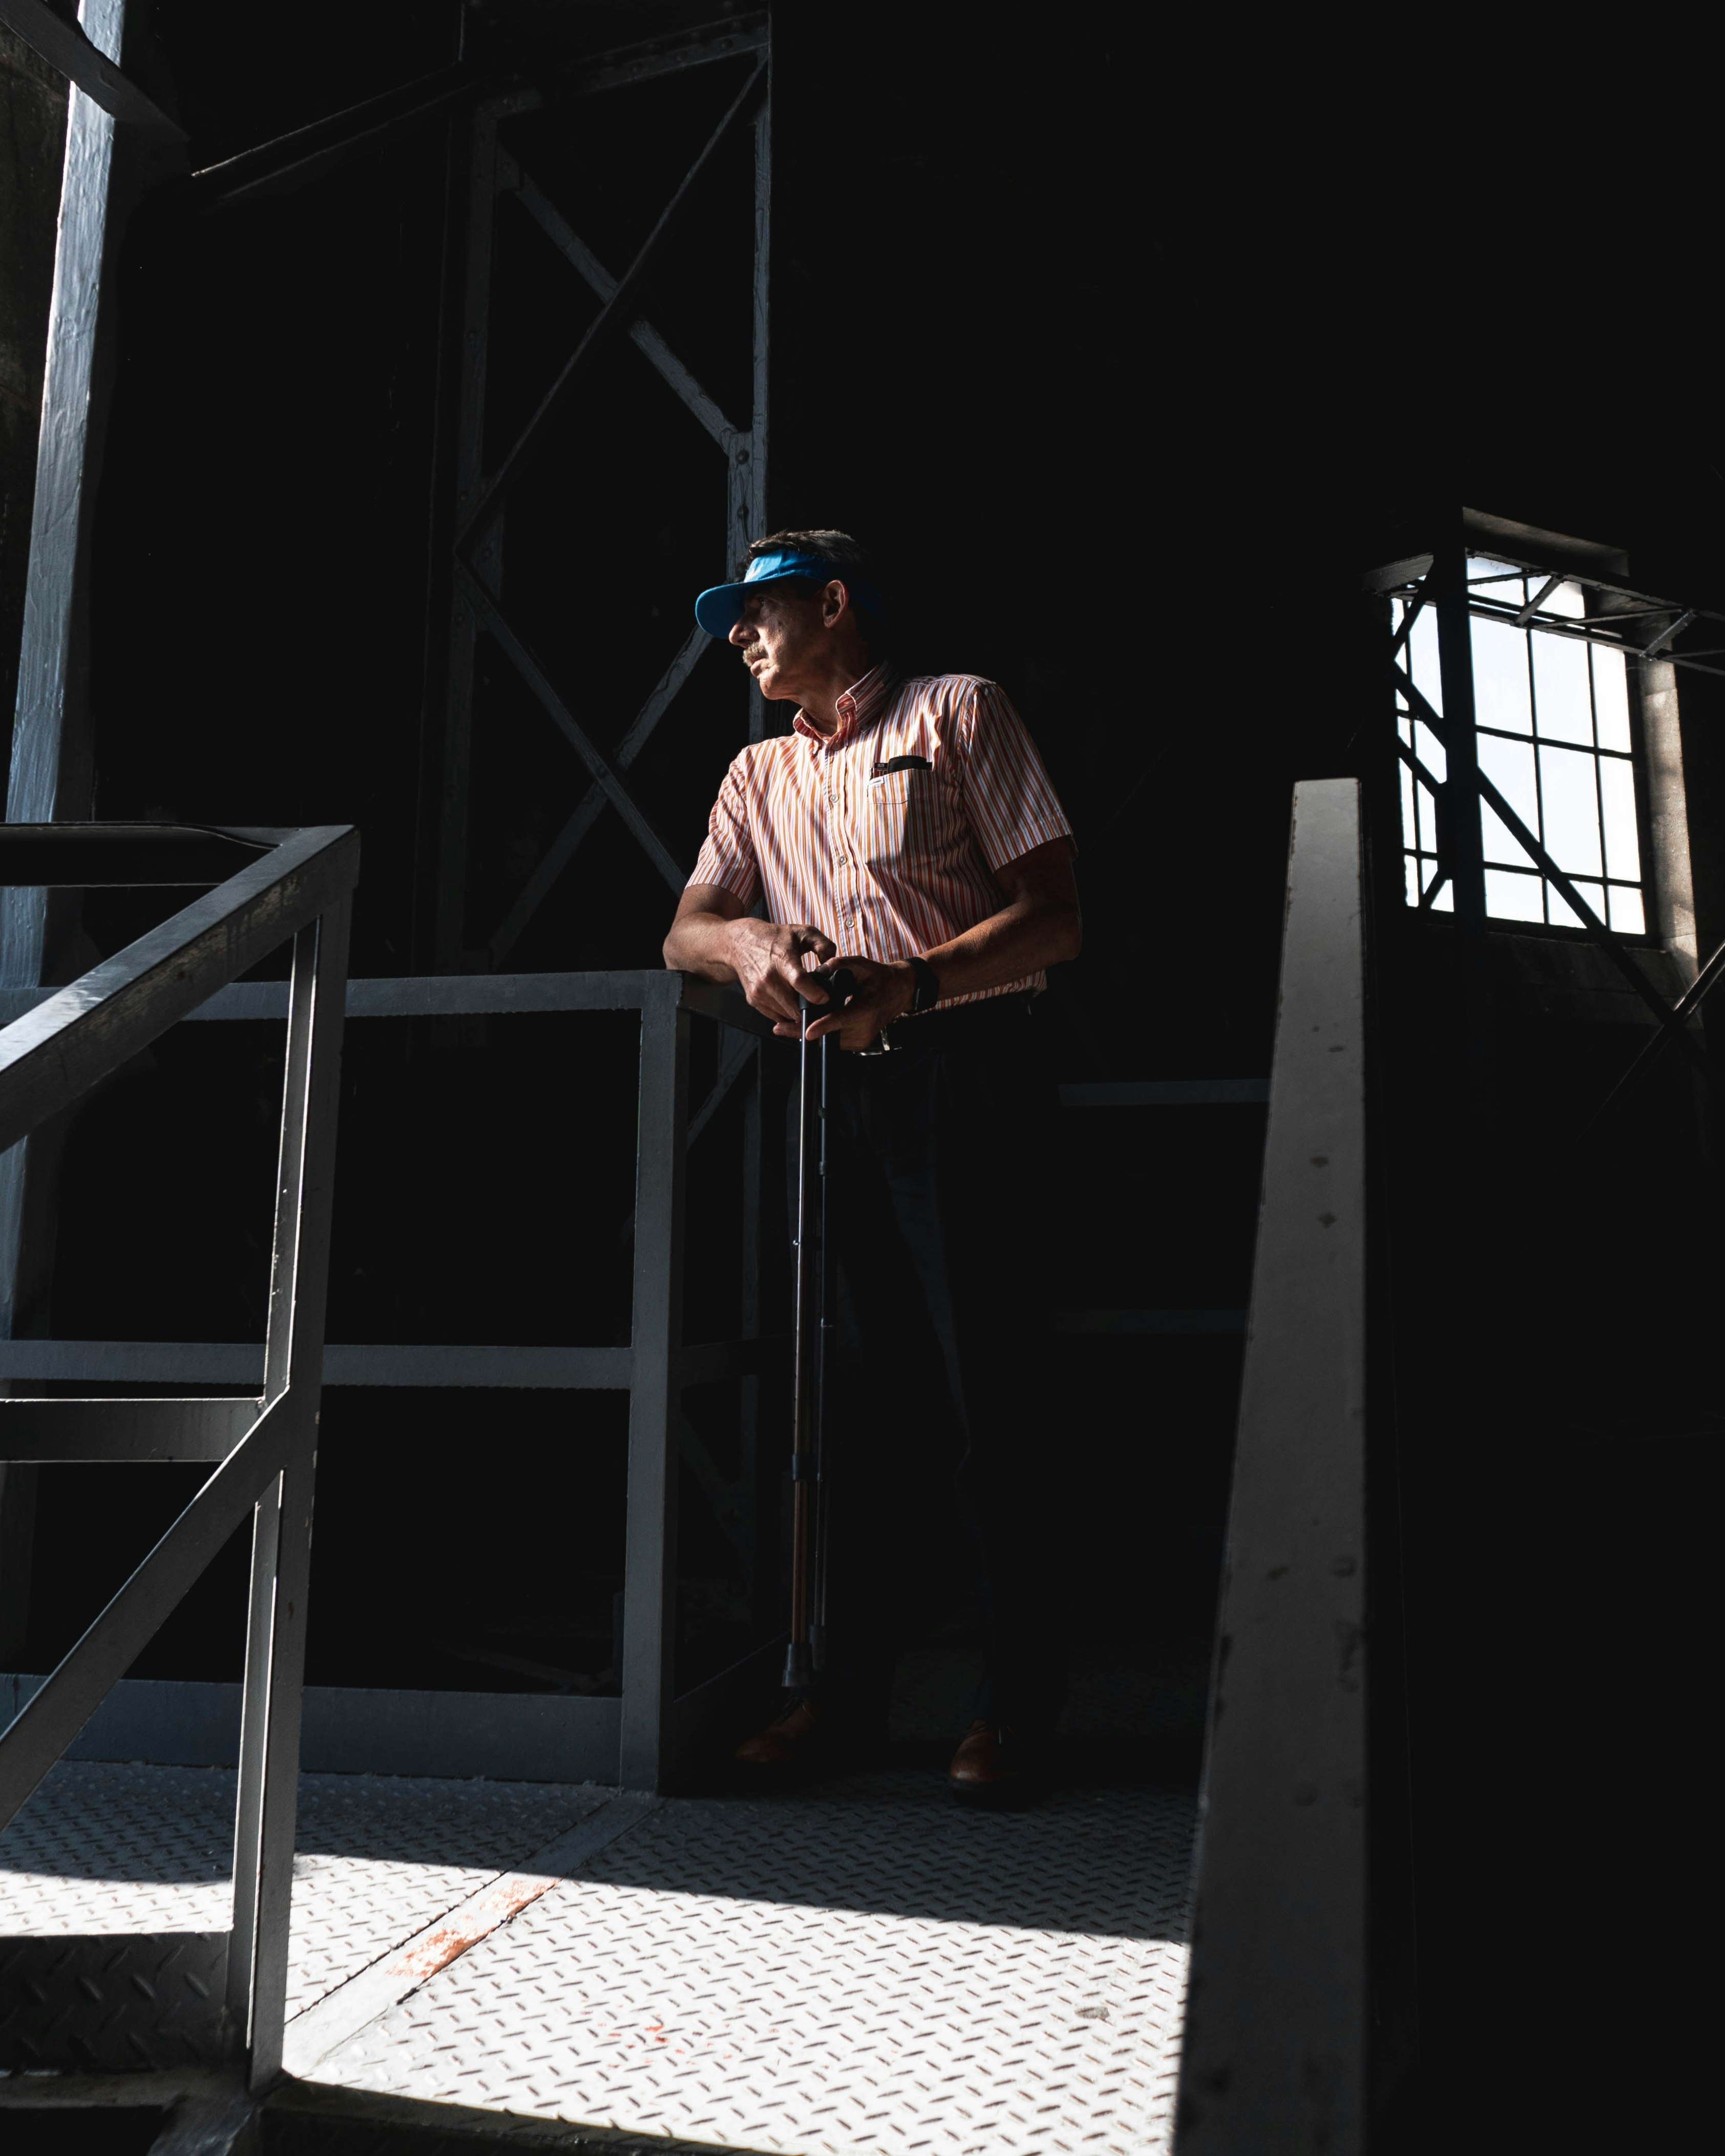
[
  {"x": 883, "y": 993},
  {"x": 771, "y": 968}
]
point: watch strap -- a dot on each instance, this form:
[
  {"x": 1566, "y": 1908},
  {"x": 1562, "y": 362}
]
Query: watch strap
[{"x": 928, "y": 987}]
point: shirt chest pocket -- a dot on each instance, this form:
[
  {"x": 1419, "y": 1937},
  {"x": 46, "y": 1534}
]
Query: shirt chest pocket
[{"x": 893, "y": 816}]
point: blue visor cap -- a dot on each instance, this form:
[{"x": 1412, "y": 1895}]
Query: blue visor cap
[{"x": 718, "y": 611}]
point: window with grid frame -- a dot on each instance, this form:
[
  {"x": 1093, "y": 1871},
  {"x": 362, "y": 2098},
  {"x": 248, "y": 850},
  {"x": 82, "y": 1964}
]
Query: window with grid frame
[{"x": 1551, "y": 715}]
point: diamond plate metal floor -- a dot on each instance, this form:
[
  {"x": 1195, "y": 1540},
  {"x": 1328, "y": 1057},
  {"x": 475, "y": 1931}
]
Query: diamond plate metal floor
[
  {"x": 859, "y": 1967},
  {"x": 149, "y": 1849}
]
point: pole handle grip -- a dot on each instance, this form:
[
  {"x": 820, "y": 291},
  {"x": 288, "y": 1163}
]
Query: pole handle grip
[{"x": 841, "y": 985}]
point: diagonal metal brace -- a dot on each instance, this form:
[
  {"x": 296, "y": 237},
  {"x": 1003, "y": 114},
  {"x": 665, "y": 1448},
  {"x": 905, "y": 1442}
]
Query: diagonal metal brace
[
  {"x": 616, "y": 316},
  {"x": 1615, "y": 951},
  {"x": 586, "y": 265},
  {"x": 1685, "y": 1008},
  {"x": 48, "y": 1723},
  {"x": 568, "y": 841},
  {"x": 588, "y": 750}
]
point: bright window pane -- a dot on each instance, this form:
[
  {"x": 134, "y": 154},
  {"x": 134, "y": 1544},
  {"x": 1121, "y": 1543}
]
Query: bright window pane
[
  {"x": 1413, "y": 869},
  {"x": 1428, "y": 818},
  {"x": 1610, "y": 698},
  {"x": 1410, "y": 828},
  {"x": 1564, "y": 916},
  {"x": 1444, "y": 902},
  {"x": 1429, "y": 750},
  {"x": 1511, "y": 897},
  {"x": 1572, "y": 810},
  {"x": 1495, "y": 580},
  {"x": 1510, "y": 764},
  {"x": 1422, "y": 649},
  {"x": 1561, "y": 700},
  {"x": 1623, "y": 852},
  {"x": 1566, "y": 600},
  {"x": 1628, "y": 915},
  {"x": 1499, "y": 677}
]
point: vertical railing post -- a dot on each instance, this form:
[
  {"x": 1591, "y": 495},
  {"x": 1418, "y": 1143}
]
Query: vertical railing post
[
  {"x": 281, "y": 1539},
  {"x": 454, "y": 752},
  {"x": 748, "y": 491},
  {"x": 50, "y": 775},
  {"x": 650, "y": 1539},
  {"x": 758, "y": 1585}
]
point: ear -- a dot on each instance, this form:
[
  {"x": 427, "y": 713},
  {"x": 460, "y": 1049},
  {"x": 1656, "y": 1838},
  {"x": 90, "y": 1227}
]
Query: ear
[{"x": 834, "y": 600}]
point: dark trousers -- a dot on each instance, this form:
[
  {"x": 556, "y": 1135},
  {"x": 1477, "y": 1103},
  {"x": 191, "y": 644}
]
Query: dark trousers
[{"x": 945, "y": 1476}]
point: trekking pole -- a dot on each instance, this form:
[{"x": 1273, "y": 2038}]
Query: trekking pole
[
  {"x": 825, "y": 1301},
  {"x": 807, "y": 1593}
]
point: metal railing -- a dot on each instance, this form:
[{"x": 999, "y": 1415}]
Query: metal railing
[
  {"x": 134, "y": 2000},
  {"x": 1275, "y": 2056},
  {"x": 639, "y": 1736}
]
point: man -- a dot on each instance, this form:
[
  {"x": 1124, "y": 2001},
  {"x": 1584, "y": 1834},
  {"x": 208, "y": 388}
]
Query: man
[{"x": 906, "y": 830}]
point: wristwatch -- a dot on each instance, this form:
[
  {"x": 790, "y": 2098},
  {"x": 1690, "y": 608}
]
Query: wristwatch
[{"x": 928, "y": 988}]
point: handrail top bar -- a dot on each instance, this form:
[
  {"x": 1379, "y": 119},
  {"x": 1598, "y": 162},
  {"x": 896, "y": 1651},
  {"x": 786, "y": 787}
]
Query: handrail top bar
[
  {"x": 467, "y": 995},
  {"x": 80, "y": 856},
  {"x": 80, "y": 1033}
]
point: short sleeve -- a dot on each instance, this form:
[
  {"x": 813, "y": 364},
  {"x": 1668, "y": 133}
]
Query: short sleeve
[
  {"x": 1009, "y": 802},
  {"x": 727, "y": 858}
]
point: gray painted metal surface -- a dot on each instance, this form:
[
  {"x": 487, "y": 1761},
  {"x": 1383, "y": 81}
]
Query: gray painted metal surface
[
  {"x": 861, "y": 1967},
  {"x": 49, "y": 774},
  {"x": 78, "y": 1035},
  {"x": 117, "y": 2000},
  {"x": 864, "y": 1967},
  {"x": 203, "y": 1996},
  {"x": 650, "y": 1529},
  {"x": 583, "y": 1736},
  {"x": 1275, "y": 2048},
  {"x": 118, "y": 1851},
  {"x": 90, "y": 65}
]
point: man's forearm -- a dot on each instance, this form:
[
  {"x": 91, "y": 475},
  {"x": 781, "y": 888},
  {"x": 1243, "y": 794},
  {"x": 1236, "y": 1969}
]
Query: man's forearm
[
  {"x": 701, "y": 943},
  {"x": 1022, "y": 938}
]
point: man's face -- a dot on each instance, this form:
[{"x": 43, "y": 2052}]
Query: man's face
[{"x": 783, "y": 639}]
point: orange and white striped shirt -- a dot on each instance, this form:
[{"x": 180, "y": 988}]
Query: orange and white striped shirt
[{"x": 888, "y": 863}]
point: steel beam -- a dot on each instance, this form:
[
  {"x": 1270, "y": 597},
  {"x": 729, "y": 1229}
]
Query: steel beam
[
  {"x": 296, "y": 159},
  {"x": 614, "y": 316},
  {"x": 453, "y": 756},
  {"x": 433, "y": 995},
  {"x": 1274, "y": 2060},
  {"x": 564, "y": 847},
  {"x": 588, "y": 750},
  {"x": 49, "y": 768},
  {"x": 293, "y": 1367},
  {"x": 76, "y": 1689},
  {"x": 650, "y": 1560},
  {"x": 656, "y": 57},
  {"x": 78, "y": 1035},
  {"x": 66, "y": 856},
  {"x": 581, "y": 258},
  {"x": 89, "y": 64},
  {"x": 62, "y": 1429}
]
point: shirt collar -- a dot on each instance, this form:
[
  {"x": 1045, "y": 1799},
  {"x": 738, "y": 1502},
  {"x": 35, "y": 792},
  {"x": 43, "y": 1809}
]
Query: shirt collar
[{"x": 859, "y": 703}]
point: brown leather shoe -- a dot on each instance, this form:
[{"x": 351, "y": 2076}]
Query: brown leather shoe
[
  {"x": 988, "y": 1767},
  {"x": 789, "y": 1740}
]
